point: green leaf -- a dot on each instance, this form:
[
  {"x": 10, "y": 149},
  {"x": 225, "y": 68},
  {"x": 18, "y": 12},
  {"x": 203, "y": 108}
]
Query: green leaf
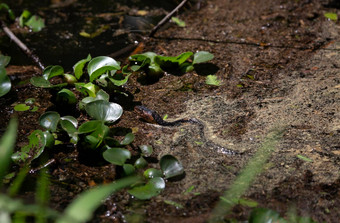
[
  {"x": 66, "y": 96},
  {"x": 99, "y": 65},
  {"x": 104, "y": 111},
  {"x": 52, "y": 71},
  {"x": 37, "y": 143},
  {"x": 10, "y": 12},
  {"x": 48, "y": 141},
  {"x": 41, "y": 82},
  {"x": 170, "y": 166},
  {"x": 127, "y": 139},
  {"x": 263, "y": 215},
  {"x": 146, "y": 150},
  {"x": 213, "y": 80},
  {"x": 178, "y": 59},
  {"x": 4, "y": 60},
  {"x": 173, "y": 203},
  {"x": 83, "y": 207},
  {"x": 25, "y": 15},
  {"x": 21, "y": 107},
  {"x": 116, "y": 156},
  {"x": 141, "y": 163},
  {"x": 88, "y": 88},
  {"x": 129, "y": 169},
  {"x": 202, "y": 57},
  {"x": 79, "y": 66},
  {"x": 332, "y": 16},
  {"x": 178, "y": 21},
  {"x": 36, "y": 23},
  {"x": 119, "y": 79},
  {"x": 248, "y": 203},
  {"x": 89, "y": 126},
  {"x": 70, "y": 79},
  {"x": 5, "y": 82},
  {"x": 306, "y": 159},
  {"x": 7, "y": 143},
  {"x": 50, "y": 120},
  {"x": 69, "y": 124},
  {"x": 152, "y": 173},
  {"x": 153, "y": 188}
]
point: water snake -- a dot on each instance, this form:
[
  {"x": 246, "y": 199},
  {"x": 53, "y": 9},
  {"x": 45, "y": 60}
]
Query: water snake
[{"x": 152, "y": 116}]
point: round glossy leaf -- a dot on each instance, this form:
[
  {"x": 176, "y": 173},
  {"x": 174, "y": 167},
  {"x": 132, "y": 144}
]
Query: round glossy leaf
[
  {"x": 52, "y": 71},
  {"x": 128, "y": 169},
  {"x": 153, "y": 188},
  {"x": 100, "y": 65},
  {"x": 48, "y": 139},
  {"x": 4, "y": 60},
  {"x": 78, "y": 67},
  {"x": 70, "y": 79},
  {"x": 260, "y": 215},
  {"x": 5, "y": 82},
  {"x": 91, "y": 141},
  {"x": 67, "y": 96},
  {"x": 116, "y": 156},
  {"x": 69, "y": 124},
  {"x": 170, "y": 166},
  {"x": 21, "y": 107},
  {"x": 104, "y": 111},
  {"x": 49, "y": 120},
  {"x": 41, "y": 82},
  {"x": 202, "y": 56},
  {"x": 141, "y": 163},
  {"x": 90, "y": 126},
  {"x": 127, "y": 139},
  {"x": 88, "y": 88},
  {"x": 152, "y": 173},
  {"x": 146, "y": 150}
]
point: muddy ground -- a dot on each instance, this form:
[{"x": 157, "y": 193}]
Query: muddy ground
[{"x": 279, "y": 66}]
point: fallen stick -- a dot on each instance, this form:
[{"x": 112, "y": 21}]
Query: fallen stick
[
  {"x": 22, "y": 46},
  {"x": 166, "y": 18}
]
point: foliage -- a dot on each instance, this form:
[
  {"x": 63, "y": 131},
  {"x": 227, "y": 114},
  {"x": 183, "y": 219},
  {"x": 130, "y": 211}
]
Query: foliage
[
  {"x": 5, "y": 82},
  {"x": 178, "y": 21},
  {"x": 331, "y": 16},
  {"x": 154, "y": 64},
  {"x": 8, "y": 9},
  {"x": 212, "y": 80},
  {"x": 34, "y": 22}
]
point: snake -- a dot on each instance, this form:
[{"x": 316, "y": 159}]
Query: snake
[{"x": 153, "y": 117}]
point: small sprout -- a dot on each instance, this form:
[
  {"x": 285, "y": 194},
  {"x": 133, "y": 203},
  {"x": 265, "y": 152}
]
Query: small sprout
[
  {"x": 213, "y": 80},
  {"x": 331, "y": 16},
  {"x": 173, "y": 203},
  {"x": 21, "y": 107},
  {"x": 178, "y": 21},
  {"x": 306, "y": 159}
]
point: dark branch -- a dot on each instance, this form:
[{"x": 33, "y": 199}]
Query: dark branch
[
  {"x": 166, "y": 18},
  {"x": 22, "y": 46}
]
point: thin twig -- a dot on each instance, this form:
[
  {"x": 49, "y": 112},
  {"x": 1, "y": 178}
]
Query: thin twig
[
  {"x": 22, "y": 46},
  {"x": 166, "y": 18}
]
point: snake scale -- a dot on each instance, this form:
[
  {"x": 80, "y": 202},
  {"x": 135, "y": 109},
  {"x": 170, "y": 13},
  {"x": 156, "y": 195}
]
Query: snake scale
[{"x": 152, "y": 116}]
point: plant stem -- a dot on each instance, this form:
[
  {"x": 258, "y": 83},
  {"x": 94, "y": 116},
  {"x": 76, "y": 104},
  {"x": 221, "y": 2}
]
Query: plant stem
[
  {"x": 166, "y": 18},
  {"x": 22, "y": 46}
]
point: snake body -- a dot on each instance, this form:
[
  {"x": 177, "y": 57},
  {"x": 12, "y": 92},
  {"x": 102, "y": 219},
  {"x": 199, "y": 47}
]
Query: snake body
[{"x": 152, "y": 116}]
